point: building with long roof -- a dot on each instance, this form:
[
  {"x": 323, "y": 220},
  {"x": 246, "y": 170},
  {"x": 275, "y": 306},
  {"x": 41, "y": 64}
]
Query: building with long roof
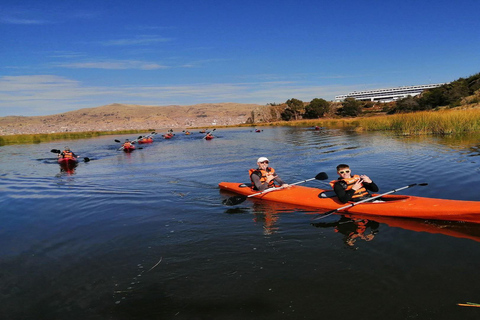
[{"x": 389, "y": 94}]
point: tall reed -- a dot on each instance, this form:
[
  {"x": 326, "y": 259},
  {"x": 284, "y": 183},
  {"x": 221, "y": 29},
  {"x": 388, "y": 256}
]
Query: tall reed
[{"x": 426, "y": 122}]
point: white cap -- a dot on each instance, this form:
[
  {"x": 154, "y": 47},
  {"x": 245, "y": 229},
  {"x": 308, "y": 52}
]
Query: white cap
[{"x": 261, "y": 159}]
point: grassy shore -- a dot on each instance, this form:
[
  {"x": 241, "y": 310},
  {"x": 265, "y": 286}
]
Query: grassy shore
[
  {"x": 447, "y": 121},
  {"x": 443, "y": 122},
  {"x": 47, "y": 137}
]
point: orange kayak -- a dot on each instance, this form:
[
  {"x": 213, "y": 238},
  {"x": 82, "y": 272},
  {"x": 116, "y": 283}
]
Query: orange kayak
[{"x": 392, "y": 205}]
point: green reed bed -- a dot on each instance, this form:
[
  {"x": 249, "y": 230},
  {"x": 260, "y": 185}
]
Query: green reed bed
[{"x": 47, "y": 137}]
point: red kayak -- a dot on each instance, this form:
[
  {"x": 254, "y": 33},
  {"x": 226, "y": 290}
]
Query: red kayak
[
  {"x": 67, "y": 161},
  {"x": 145, "y": 140},
  {"x": 129, "y": 149},
  {"x": 168, "y": 136},
  {"x": 209, "y": 137}
]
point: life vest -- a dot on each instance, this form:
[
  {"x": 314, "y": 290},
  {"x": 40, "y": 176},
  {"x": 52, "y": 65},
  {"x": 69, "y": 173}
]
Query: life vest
[
  {"x": 362, "y": 192},
  {"x": 67, "y": 154},
  {"x": 263, "y": 176},
  {"x": 127, "y": 145}
]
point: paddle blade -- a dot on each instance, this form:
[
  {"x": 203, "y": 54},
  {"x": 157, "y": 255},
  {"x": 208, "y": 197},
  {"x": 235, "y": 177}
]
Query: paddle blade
[
  {"x": 117, "y": 141},
  {"x": 423, "y": 184},
  {"x": 234, "y": 200},
  {"x": 86, "y": 159},
  {"x": 321, "y": 176},
  {"x": 55, "y": 151}
]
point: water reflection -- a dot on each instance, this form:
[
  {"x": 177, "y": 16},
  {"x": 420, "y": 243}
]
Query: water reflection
[
  {"x": 463, "y": 230},
  {"x": 352, "y": 229}
]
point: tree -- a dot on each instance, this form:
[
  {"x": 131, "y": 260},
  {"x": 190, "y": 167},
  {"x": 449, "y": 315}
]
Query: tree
[
  {"x": 350, "y": 108},
  {"x": 317, "y": 108},
  {"x": 296, "y": 106}
]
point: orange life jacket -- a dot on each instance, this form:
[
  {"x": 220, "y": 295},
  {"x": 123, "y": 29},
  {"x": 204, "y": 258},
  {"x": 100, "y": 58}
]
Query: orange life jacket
[
  {"x": 263, "y": 176},
  {"x": 127, "y": 145},
  {"x": 350, "y": 182},
  {"x": 67, "y": 154}
]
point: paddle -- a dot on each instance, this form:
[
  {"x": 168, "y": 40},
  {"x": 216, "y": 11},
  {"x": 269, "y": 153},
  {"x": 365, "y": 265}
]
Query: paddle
[
  {"x": 239, "y": 199},
  {"x": 86, "y": 159},
  {"x": 325, "y": 214}
]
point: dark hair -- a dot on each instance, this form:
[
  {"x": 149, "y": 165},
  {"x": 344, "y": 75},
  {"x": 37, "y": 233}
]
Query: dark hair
[{"x": 342, "y": 166}]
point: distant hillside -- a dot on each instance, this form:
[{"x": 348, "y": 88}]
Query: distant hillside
[{"x": 116, "y": 116}]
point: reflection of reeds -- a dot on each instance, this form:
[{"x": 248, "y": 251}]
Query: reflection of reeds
[{"x": 47, "y": 137}]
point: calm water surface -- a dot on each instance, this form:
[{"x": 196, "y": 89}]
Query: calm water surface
[{"x": 145, "y": 235}]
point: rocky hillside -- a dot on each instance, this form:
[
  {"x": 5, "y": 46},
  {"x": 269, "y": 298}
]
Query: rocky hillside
[{"x": 125, "y": 117}]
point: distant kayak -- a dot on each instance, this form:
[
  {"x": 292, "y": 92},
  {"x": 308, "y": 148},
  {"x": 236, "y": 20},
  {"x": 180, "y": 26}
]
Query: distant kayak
[
  {"x": 168, "y": 136},
  {"x": 129, "y": 149},
  {"x": 392, "y": 205},
  {"x": 145, "y": 140},
  {"x": 208, "y": 137}
]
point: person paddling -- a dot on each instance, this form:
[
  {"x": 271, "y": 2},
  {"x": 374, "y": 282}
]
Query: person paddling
[
  {"x": 67, "y": 154},
  {"x": 264, "y": 177},
  {"x": 352, "y": 188},
  {"x": 127, "y": 144}
]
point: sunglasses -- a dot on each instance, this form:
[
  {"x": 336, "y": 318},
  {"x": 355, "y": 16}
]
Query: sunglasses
[
  {"x": 264, "y": 162},
  {"x": 344, "y": 171}
]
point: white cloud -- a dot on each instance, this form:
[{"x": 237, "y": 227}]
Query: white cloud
[
  {"x": 49, "y": 94},
  {"x": 140, "y": 40},
  {"x": 113, "y": 65},
  {"x": 12, "y": 20}
]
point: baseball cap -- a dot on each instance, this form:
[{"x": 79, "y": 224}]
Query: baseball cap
[{"x": 261, "y": 159}]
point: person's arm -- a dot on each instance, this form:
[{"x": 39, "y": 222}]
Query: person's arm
[
  {"x": 343, "y": 195},
  {"x": 371, "y": 186},
  {"x": 279, "y": 181},
  {"x": 258, "y": 184}
]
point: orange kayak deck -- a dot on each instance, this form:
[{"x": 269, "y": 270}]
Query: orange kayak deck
[{"x": 393, "y": 205}]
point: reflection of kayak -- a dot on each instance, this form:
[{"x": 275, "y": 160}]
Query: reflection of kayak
[
  {"x": 393, "y": 205},
  {"x": 449, "y": 228},
  {"x": 145, "y": 140}
]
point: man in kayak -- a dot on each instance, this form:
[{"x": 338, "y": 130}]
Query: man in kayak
[
  {"x": 352, "y": 188},
  {"x": 264, "y": 177},
  {"x": 67, "y": 154}
]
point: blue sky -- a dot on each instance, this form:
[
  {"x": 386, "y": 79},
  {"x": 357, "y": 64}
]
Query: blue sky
[{"x": 58, "y": 56}]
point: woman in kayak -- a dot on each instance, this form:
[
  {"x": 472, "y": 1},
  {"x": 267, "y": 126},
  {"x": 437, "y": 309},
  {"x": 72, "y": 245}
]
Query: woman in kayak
[
  {"x": 352, "y": 188},
  {"x": 264, "y": 177}
]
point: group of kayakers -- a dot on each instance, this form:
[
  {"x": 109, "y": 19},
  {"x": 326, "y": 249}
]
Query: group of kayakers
[{"x": 347, "y": 187}]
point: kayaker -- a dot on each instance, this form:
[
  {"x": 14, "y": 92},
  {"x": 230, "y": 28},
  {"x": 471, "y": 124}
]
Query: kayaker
[
  {"x": 67, "y": 154},
  {"x": 127, "y": 144},
  {"x": 264, "y": 177},
  {"x": 352, "y": 188}
]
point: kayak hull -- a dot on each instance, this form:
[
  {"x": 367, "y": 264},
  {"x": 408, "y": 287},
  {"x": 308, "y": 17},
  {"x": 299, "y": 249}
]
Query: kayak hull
[
  {"x": 142, "y": 141},
  {"x": 129, "y": 149},
  {"x": 393, "y": 205},
  {"x": 67, "y": 161}
]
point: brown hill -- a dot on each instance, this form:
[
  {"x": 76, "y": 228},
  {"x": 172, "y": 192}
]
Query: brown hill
[{"x": 116, "y": 116}]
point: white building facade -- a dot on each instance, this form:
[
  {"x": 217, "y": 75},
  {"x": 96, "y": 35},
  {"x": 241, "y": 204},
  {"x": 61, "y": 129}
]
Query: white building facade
[{"x": 389, "y": 94}]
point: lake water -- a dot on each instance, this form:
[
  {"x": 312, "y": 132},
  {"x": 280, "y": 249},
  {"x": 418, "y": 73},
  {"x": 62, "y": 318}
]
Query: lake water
[{"x": 145, "y": 235}]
